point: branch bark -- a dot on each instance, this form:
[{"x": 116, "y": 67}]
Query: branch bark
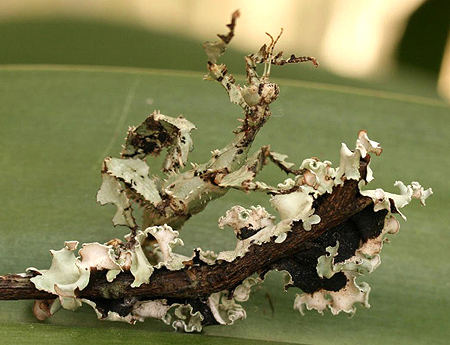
[{"x": 200, "y": 280}]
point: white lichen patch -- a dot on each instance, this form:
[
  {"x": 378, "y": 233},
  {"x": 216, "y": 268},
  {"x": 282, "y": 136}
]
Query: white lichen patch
[
  {"x": 349, "y": 163},
  {"x": 373, "y": 246},
  {"x": 112, "y": 192},
  {"x": 156, "y": 309},
  {"x": 183, "y": 318},
  {"x": 141, "y": 310},
  {"x": 346, "y": 298},
  {"x": 98, "y": 256},
  {"x": 256, "y": 218},
  {"x": 239, "y": 217},
  {"x": 180, "y": 316},
  {"x": 166, "y": 238},
  {"x": 110, "y": 315},
  {"x": 286, "y": 184},
  {"x": 365, "y": 145},
  {"x": 243, "y": 291},
  {"x": 318, "y": 300},
  {"x": 361, "y": 263},
  {"x": 225, "y": 310},
  {"x": 337, "y": 301},
  {"x": 135, "y": 173},
  {"x": 394, "y": 202},
  {"x": 318, "y": 175},
  {"x": 296, "y": 206},
  {"x": 65, "y": 275},
  {"x": 366, "y": 258}
]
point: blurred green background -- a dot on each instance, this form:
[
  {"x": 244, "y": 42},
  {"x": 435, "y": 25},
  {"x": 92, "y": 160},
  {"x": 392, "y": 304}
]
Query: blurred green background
[
  {"x": 151, "y": 34},
  {"x": 76, "y": 74}
]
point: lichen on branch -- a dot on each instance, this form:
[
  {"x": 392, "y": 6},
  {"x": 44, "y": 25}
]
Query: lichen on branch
[{"x": 328, "y": 229}]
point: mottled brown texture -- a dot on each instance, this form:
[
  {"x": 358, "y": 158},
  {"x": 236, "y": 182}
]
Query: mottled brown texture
[{"x": 15, "y": 287}]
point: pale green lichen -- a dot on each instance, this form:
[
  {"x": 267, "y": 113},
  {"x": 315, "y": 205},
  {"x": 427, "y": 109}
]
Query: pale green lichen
[
  {"x": 161, "y": 251},
  {"x": 112, "y": 192},
  {"x": 382, "y": 200},
  {"x": 140, "y": 268},
  {"x": 320, "y": 176},
  {"x": 293, "y": 199},
  {"x": 69, "y": 273},
  {"x": 296, "y": 206},
  {"x": 168, "y": 202},
  {"x": 166, "y": 239},
  {"x": 346, "y": 298},
  {"x": 156, "y": 309},
  {"x": 366, "y": 258},
  {"x": 134, "y": 172},
  {"x": 349, "y": 163},
  {"x": 337, "y": 301},
  {"x": 325, "y": 262},
  {"x": 65, "y": 275},
  {"x": 225, "y": 310},
  {"x": 243, "y": 291},
  {"x": 182, "y": 317}
]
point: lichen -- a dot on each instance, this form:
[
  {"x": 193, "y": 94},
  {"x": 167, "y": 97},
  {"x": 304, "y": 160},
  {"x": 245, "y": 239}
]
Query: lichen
[
  {"x": 65, "y": 275},
  {"x": 183, "y": 318},
  {"x": 366, "y": 259},
  {"x": 326, "y": 268},
  {"x": 349, "y": 164},
  {"x": 246, "y": 222},
  {"x": 112, "y": 192},
  {"x": 225, "y": 310},
  {"x": 394, "y": 202},
  {"x": 296, "y": 206}
]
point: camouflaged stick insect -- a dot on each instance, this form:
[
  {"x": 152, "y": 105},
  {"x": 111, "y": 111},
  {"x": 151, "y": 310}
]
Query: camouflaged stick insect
[
  {"x": 329, "y": 229},
  {"x": 181, "y": 195}
]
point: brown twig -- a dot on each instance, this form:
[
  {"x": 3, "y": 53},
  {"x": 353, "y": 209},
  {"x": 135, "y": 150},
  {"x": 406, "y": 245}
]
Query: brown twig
[{"x": 200, "y": 280}]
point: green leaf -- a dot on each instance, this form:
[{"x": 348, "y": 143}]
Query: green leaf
[{"x": 57, "y": 124}]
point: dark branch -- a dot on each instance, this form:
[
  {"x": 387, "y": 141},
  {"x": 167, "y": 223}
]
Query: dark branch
[{"x": 201, "y": 280}]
